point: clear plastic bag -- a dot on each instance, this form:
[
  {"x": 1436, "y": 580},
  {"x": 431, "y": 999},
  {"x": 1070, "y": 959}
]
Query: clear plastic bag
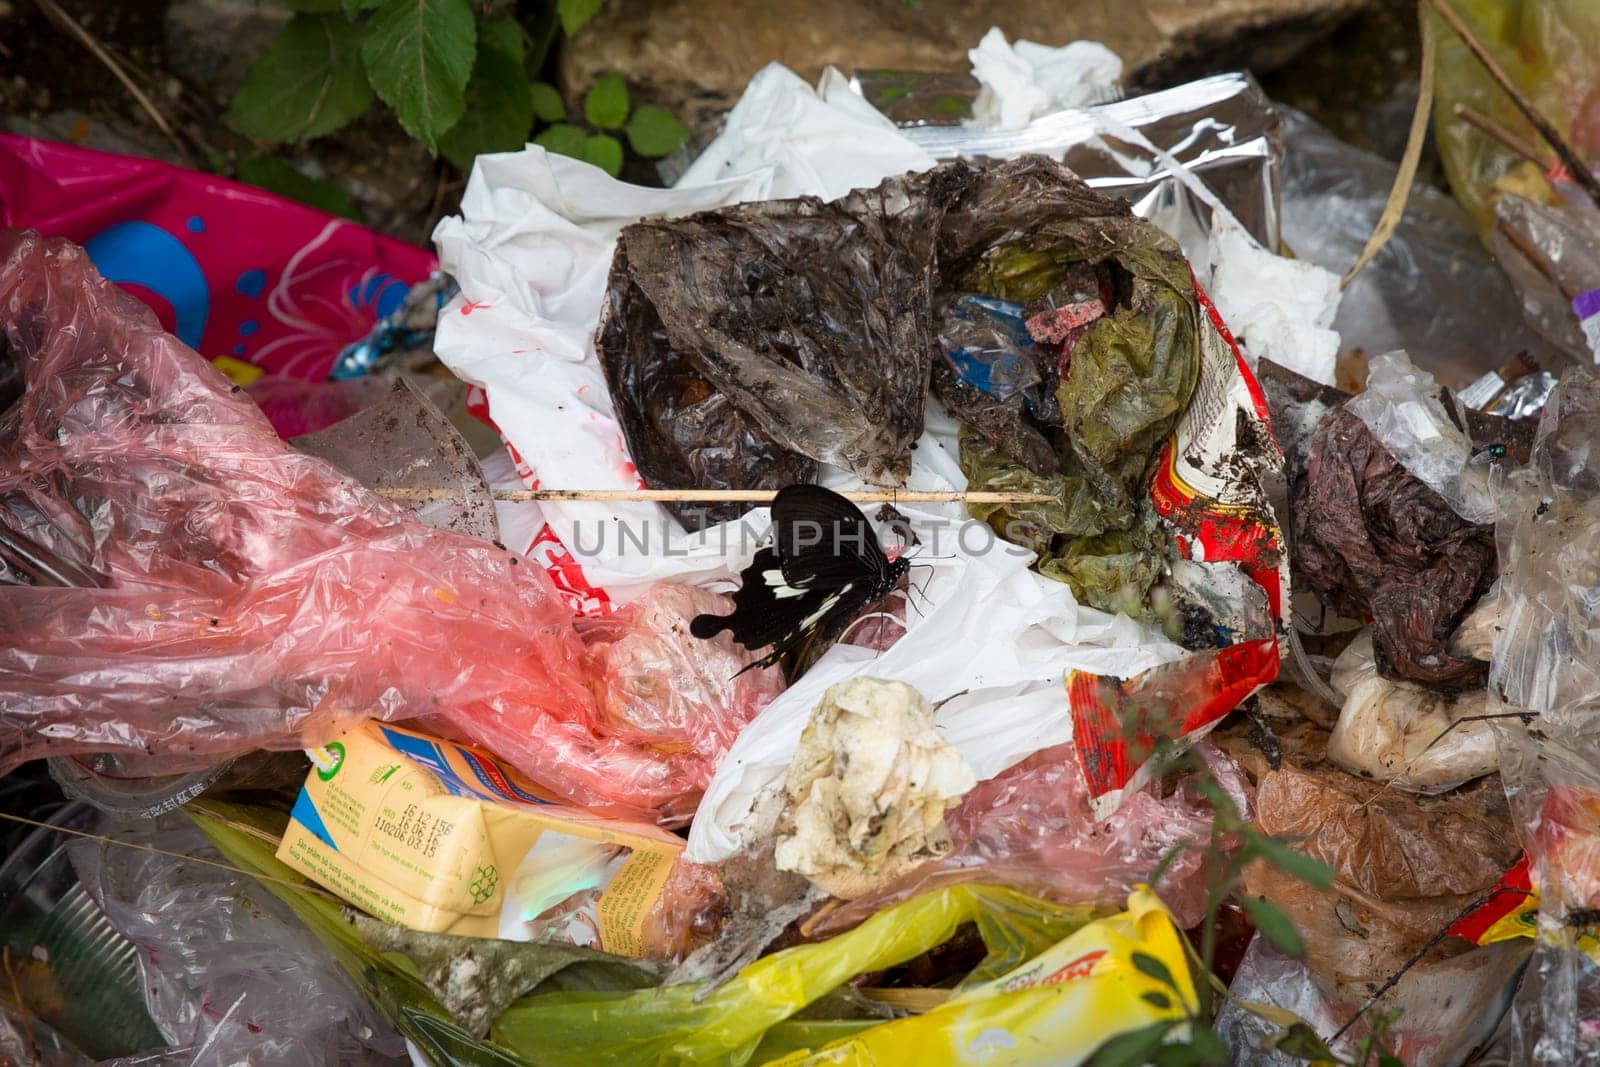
[
  {"x": 1404, "y": 734},
  {"x": 229, "y": 974},
  {"x": 258, "y": 598}
]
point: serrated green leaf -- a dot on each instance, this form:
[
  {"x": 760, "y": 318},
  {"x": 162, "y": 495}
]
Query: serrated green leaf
[
  {"x": 574, "y": 13},
  {"x": 419, "y": 57},
  {"x": 1157, "y": 999},
  {"x": 307, "y": 82},
  {"x": 606, "y": 105},
  {"x": 1275, "y": 926},
  {"x": 564, "y": 139},
  {"x": 655, "y": 132},
  {"x": 547, "y": 103},
  {"x": 1302, "y": 1042},
  {"x": 605, "y": 152},
  {"x": 499, "y": 111},
  {"x": 1208, "y": 1046},
  {"x": 1290, "y": 862},
  {"x": 502, "y": 33},
  {"x": 1132, "y": 1049},
  {"x": 1154, "y": 968},
  {"x": 276, "y": 176}
]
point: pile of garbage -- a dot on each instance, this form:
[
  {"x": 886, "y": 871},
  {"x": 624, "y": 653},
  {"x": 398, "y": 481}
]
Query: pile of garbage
[{"x": 954, "y": 593}]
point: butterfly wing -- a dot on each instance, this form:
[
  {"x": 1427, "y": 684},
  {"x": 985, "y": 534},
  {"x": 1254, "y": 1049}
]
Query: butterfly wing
[{"x": 822, "y": 539}]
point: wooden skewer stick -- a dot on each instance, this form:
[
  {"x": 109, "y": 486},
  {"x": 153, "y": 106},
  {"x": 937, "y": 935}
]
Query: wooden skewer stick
[
  {"x": 713, "y": 496},
  {"x": 1569, "y": 159},
  {"x": 1496, "y": 132}
]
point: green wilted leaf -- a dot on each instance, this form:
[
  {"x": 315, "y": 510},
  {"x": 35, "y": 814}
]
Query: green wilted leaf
[
  {"x": 307, "y": 82},
  {"x": 605, "y": 152},
  {"x": 1290, "y": 862},
  {"x": 499, "y": 112},
  {"x": 564, "y": 139},
  {"x": 655, "y": 132},
  {"x": 547, "y": 103},
  {"x": 1153, "y": 967},
  {"x": 419, "y": 56},
  {"x": 1302, "y": 1042},
  {"x": 1132, "y": 1049},
  {"x": 574, "y": 13},
  {"x": 1275, "y": 926},
  {"x": 274, "y": 175},
  {"x": 606, "y": 106}
]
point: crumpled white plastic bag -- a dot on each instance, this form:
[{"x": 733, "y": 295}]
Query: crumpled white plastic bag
[
  {"x": 1024, "y": 80},
  {"x": 991, "y": 630}
]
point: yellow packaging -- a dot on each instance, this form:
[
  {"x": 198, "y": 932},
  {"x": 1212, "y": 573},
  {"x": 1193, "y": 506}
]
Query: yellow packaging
[
  {"x": 443, "y": 838},
  {"x": 1054, "y": 1010}
]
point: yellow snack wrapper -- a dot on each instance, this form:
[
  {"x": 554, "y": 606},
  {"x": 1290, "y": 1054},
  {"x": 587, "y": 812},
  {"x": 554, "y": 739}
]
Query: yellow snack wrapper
[
  {"x": 1055, "y": 1009},
  {"x": 441, "y": 837}
]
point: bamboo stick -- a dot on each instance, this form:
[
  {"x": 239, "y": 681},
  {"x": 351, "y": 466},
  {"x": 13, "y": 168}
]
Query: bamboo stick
[{"x": 715, "y": 496}]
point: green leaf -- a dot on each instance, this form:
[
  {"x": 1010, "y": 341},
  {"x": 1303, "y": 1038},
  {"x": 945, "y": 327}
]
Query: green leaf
[
  {"x": 1209, "y": 1046},
  {"x": 1132, "y": 1049},
  {"x": 564, "y": 139},
  {"x": 1157, "y": 999},
  {"x": 274, "y": 175},
  {"x": 547, "y": 103},
  {"x": 606, "y": 106},
  {"x": 655, "y": 132},
  {"x": 419, "y": 56},
  {"x": 1290, "y": 862},
  {"x": 542, "y": 30},
  {"x": 574, "y": 13},
  {"x": 1153, "y": 967},
  {"x": 352, "y": 8},
  {"x": 1175, "y": 1056},
  {"x": 499, "y": 111},
  {"x": 605, "y": 152},
  {"x": 307, "y": 82},
  {"x": 501, "y": 33},
  {"x": 1275, "y": 926},
  {"x": 1302, "y": 1042},
  {"x": 1387, "y": 1060}
]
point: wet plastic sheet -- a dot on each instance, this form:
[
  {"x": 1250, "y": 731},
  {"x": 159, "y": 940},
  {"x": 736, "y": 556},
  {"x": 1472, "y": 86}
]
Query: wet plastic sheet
[
  {"x": 262, "y": 599},
  {"x": 231, "y": 269},
  {"x": 230, "y": 975}
]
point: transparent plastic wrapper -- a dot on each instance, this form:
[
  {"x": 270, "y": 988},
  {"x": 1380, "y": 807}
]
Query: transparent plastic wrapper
[
  {"x": 229, "y": 974},
  {"x": 1449, "y": 1007},
  {"x": 1402, "y": 407},
  {"x": 1551, "y": 253},
  {"x": 1333, "y": 196},
  {"x": 1405, "y": 734},
  {"x": 1032, "y": 827},
  {"x": 259, "y": 597}
]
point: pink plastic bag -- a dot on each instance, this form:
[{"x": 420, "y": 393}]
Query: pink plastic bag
[
  {"x": 1032, "y": 827},
  {"x": 230, "y": 269},
  {"x": 258, "y": 598}
]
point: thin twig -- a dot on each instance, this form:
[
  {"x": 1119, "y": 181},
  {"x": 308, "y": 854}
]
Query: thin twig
[
  {"x": 1395, "y": 207},
  {"x": 1417, "y": 958},
  {"x": 1534, "y": 256},
  {"x": 66, "y": 22},
  {"x": 750, "y": 496},
  {"x": 1496, "y": 132},
  {"x": 1525, "y": 716},
  {"x": 1569, "y": 159}
]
